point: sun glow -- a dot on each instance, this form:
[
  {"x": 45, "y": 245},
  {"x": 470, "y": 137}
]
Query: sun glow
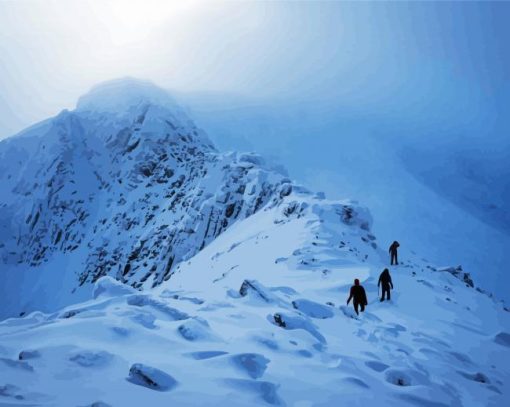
[{"x": 133, "y": 21}]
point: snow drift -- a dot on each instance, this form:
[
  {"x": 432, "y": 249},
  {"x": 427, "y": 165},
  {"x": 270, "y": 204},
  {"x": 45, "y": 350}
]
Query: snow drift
[{"x": 168, "y": 272}]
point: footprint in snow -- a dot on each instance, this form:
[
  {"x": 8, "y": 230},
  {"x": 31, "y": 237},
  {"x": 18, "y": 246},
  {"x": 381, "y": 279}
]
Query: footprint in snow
[
  {"x": 120, "y": 331},
  {"x": 461, "y": 357},
  {"x": 145, "y": 319},
  {"x": 476, "y": 377},
  {"x": 92, "y": 359},
  {"x": 503, "y": 338},
  {"x": 357, "y": 382},
  {"x": 313, "y": 309},
  {"x": 267, "y": 342},
  {"x": 195, "y": 329},
  {"x": 206, "y": 354},
  {"x": 143, "y": 300},
  {"x": 348, "y": 311},
  {"x": 376, "y": 365},
  {"x": 252, "y": 364},
  {"x": 392, "y": 330},
  {"x": 421, "y": 337},
  {"x": 263, "y": 391},
  {"x": 11, "y": 391},
  {"x": 16, "y": 364}
]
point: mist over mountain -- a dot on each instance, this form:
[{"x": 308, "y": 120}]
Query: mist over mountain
[{"x": 443, "y": 191}]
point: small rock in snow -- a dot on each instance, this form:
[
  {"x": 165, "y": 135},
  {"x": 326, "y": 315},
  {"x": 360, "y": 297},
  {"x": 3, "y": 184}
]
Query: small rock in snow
[
  {"x": 151, "y": 378},
  {"x": 29, "y": 354}
]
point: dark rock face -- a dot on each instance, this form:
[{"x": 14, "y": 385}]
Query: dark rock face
[
  {"x": 278, "y": 319},
  {"x": 129, "y": 196}
]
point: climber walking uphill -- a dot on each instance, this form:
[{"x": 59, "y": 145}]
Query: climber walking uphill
[
  {"x": 359, "y": 297},
  {"x": 393, "y": 252},
  {"x": 386, "y": 284}
]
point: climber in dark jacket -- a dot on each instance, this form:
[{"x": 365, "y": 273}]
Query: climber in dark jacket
[
  {"x": 386, "y": 283},
  {"x": 393, "y": 252},
  {"x": 359, "y": 297}
]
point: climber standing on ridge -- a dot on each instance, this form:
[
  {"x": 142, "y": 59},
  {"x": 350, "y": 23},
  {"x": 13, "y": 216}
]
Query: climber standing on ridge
[
  {"x": 359, "y": 297},
  {"x": 386, "y": 284},
  {"x": 393, "y": 252}
]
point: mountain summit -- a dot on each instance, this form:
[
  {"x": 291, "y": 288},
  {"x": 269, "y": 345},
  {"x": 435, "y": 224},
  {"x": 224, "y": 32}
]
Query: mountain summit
[
  {"x": 125, "y": 94},
  {"x": 141, "y": 265},
  {"x": 125, "y": 185}
]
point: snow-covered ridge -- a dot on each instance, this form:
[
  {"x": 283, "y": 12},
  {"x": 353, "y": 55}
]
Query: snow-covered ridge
[
  {"x": 258, "y": 318},
  {"x": 167, "y": 272}
]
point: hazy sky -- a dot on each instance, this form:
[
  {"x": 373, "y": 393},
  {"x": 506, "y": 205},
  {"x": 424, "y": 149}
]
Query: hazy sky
[{"x": 447, "y": 61}]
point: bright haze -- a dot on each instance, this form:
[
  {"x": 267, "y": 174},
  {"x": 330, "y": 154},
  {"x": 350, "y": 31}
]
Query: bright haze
[{"x": 403, "y": 106}]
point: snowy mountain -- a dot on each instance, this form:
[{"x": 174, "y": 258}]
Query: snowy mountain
[
  {"x": 186, "y": 276},
  {"x": 125, "y": 185}
]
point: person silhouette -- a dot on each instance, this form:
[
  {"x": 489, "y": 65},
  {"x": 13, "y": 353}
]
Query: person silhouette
[
  {"x": 393, "y": 252},
  {"x": 359, "y": 297},
  {"x": 386, "y": 283}
]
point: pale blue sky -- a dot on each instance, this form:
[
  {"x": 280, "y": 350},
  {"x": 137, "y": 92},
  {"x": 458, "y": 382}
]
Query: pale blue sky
[{"x": 442, "y": 62}]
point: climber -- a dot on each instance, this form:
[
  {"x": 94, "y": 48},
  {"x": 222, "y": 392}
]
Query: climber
[
  {"x": 359, "y": 297},
  {"x": 385, "y": 283},
  {"x": 393, "y": 252}
]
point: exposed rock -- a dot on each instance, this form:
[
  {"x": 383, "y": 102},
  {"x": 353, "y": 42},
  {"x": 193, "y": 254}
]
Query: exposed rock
[
  {"x": 253, "y": 286},
  {"x": 457, "y": 272},
  {"x": 151, "y": 378}
]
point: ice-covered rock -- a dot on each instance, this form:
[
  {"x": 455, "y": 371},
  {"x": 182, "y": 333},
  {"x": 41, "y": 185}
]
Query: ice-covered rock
[
  {"x": 313, "y": 309},
  {"x": 29, "y": 354},
  {"x": 457, "y": 272},
  {"x": 109, "y": 287},
  {"x": 151, "y": 377}
]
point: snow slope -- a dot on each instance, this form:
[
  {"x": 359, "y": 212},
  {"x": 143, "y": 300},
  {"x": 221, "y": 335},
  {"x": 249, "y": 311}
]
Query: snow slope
[
  {"x": 443, "y": 194},
  {"x": 209, "y": 335},
  {"x": 152, "y": 269}
]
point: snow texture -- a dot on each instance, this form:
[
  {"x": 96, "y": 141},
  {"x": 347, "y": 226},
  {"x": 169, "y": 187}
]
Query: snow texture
[{"x": 150, "y": 269}]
